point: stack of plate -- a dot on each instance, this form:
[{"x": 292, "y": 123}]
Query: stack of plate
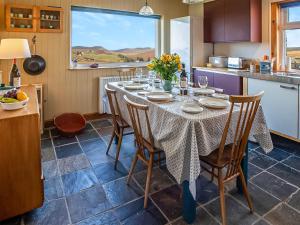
[
  {"x": 134, "y": 87},
  {"x": 203, "y": 91},
  {"x": 140, "y": 80},
  {"x": 159, "y": 97},
  {"x": 191, "y": 107},
  {"x": 214, "y": 103}
]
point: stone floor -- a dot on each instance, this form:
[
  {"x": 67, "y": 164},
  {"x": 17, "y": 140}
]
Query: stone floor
[{"x": 81, "y": 186}]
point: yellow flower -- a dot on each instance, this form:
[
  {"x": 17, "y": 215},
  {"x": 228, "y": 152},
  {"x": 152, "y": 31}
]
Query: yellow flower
[
  {"x": 150, "y": 66},
  {"x": 177, "y": 59},
  {"x": 179, "y": 67}
]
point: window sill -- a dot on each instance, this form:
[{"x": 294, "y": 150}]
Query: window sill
[{"x": 109, "y": 66}]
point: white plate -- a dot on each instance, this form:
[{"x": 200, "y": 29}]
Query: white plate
[
  {"x": 203, "y": 91},
  {"x": 143, "y": 93},
  {"x": 214, "y": 103},
  {"x": 140, "y": 80},
  {"x": 15, "y": 105},
  {"x": 134, "y": 87},
  {"x": 221, "y": 96},
  {"x": 159, "y": 96},
  {"x": 191, "y": 108}
]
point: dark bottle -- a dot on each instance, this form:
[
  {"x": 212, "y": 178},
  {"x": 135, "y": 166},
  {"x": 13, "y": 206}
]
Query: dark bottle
[
  {"x": 15, "y": 77},
  {"x": 183, "y": 81}
]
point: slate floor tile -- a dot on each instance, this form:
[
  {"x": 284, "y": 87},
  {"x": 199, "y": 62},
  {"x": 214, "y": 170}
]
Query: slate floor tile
[
  {"x": 169, "y": 201},
  {"x": 46, "y": 134},
  {"x": 53, "y": 188},
  {"x": 88, "y": 126},
  {"x": 283, "y": 214},
  {"x": 118, "y": 192},
  {"x": 262, "y": 201},
  {"x": 285, "y": 144},
  {"x": 50, "y": 169},
  {"x": 106, "y": 172},
  {"x": 236, "y": 213},
  {"x": 105, "y": 131},
  {"x": 293, "y": 161},
  {"x": 262, "y": 222},
  {"x": 253, "y": 170},
  {"x": 87, "y": 135},
  {"x": 101, "y": 123},
  {"x": 47, "y": 154},
  {"x": 47, "y": 143},
  {"x": 202, "y": 217},
  {"x": 98, "y": 156},
  {"x": 68, "y": 150},
  {"x": 51, "y": 213},
  {"x": 273, "y": 185},
  {"x": 60, "y": 140},
  {"x": 73, "y": 163},
  {"x": 261, "y": 160},
  {"x": 159, "y": 180},
  {"x": 128, "y": 149},
  {"x": 134, "y": 213},
  {"x": 54, "y": 132},
  {"x": 206, "y": 190},
  {"x": 276, "y": 153},
  {"x": 294, "y": 200},
  {"x": 126, "y": 162},
  {"x": 79, "y": 180},
  {"x": 287, "y": 173},
  {"x": 87, "y": 203},
  {"x": 107, "y": 218},
  {"x": 252, "y": 145},
  {"x": 93, "y": 144}
]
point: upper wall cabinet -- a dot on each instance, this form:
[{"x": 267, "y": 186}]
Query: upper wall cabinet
[{"x": 232, "y": 21}]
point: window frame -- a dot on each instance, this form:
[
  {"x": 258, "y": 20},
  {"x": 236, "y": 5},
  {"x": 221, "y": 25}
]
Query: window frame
[
  {"x": 158, "y": 38},
  {"x": 279, "y": 24}
]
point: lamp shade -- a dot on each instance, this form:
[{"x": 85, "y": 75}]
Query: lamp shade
[{"x": 14, "y": 49}]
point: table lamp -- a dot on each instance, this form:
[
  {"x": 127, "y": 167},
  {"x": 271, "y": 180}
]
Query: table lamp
[{"x": 14, "y": 49}]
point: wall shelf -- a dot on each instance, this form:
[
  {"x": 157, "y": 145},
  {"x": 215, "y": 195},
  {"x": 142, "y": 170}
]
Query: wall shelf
[{"x": 20, "y": 18}]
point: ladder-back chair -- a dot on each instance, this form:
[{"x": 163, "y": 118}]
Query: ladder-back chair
[{"x": 230, "y": 156}]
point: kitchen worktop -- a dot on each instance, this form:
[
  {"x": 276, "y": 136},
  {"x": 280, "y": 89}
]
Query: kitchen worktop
[{"x": 284, "y": 77}]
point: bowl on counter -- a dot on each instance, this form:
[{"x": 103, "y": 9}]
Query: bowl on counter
[{"x": 14, "y": 105}]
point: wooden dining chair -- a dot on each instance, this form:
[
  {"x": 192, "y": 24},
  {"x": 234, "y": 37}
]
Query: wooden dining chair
[
  {"x": 136, "y": 111},
  {"x": 119, "y": 124},
  {"x": 227, "y": 158}
]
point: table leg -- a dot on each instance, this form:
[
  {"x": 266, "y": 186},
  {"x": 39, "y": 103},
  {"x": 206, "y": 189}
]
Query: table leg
[
  {"x": 244, "y": 165},
  {"x": 189, "y": 204}
]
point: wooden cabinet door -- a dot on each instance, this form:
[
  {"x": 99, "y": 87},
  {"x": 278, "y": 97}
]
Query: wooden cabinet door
[
  {"x": 237, "y": 20},
  {"x": 214, "y": 21},
  {"x": 232, "y": 85},
  {"x": 210, "y": 77},
  {"x": 280, "y": 105}
]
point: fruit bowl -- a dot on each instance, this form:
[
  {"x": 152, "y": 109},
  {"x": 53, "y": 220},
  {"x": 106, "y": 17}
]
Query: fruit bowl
[{"x": 14, "y": 105}]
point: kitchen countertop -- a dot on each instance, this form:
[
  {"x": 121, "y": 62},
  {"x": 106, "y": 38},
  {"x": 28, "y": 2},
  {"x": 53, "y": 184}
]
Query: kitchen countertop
[{"x": 284, "y": 77}]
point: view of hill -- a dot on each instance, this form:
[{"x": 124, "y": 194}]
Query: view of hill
[{"x": 99, "y": 54}]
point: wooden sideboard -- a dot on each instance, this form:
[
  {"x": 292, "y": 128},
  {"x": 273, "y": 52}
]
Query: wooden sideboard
[{"x": 21, "y": 179}]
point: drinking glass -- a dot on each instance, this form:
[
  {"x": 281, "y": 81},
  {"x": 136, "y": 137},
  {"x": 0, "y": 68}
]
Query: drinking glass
[
  {"x": 203, "y": 82},
  {"x": 151, "y": 77}
]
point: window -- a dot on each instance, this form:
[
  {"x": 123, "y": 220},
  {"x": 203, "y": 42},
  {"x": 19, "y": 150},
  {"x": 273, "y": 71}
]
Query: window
[
  {"x": 289, "y": 31},
  {"x": 113, "y": 38}
]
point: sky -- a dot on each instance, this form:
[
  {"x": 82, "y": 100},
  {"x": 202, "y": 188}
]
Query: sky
[
  {"x": 292, "y": 36},
  {"x": 112, "y": 31}
]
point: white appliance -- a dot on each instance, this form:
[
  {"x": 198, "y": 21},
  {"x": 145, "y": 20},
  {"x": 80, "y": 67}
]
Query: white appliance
[{"x": 186, "y": 34}]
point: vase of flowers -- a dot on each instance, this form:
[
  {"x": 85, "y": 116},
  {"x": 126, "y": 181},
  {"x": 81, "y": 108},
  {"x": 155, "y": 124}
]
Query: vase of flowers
[{"x": 166, "y": 67}]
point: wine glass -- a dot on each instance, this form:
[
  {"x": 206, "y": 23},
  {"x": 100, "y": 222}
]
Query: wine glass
[{"x": 203, "y": 82}]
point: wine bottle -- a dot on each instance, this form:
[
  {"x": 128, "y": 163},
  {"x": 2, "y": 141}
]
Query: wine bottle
[
  {"x": 15, "y": 76},
  {"x": 183, "y": 81}
]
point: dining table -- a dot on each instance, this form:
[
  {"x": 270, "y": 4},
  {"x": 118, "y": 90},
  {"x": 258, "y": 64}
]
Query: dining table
[{"x": 184, "y": 136}]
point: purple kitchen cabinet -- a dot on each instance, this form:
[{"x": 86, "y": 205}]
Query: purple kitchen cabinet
[
  {"x": 198, "y": 73},
  {"x": 232, "y": 85}
]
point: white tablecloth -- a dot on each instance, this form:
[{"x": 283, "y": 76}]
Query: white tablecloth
[{"x": 184, "y": 137}]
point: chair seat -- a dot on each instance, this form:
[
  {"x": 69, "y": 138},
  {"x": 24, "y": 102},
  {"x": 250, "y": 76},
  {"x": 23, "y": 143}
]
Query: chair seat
[
  {"x": 121, "y": 122},
  {"x": 212, "y": 159}
]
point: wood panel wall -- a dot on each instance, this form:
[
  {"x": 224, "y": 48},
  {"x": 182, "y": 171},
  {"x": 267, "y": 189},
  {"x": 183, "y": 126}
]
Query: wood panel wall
[{"x": 76, "y": 90}]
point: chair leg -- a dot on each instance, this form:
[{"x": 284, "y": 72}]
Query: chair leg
[
  {"x": 148, "y": 182},
  {"x": 119, "y": 147},
  {"x": 133, "y": 164},
  {"x": 245, "y": 190},
  {"x": 110, "y": 142},
  {"x": 222, "y": 197}
]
